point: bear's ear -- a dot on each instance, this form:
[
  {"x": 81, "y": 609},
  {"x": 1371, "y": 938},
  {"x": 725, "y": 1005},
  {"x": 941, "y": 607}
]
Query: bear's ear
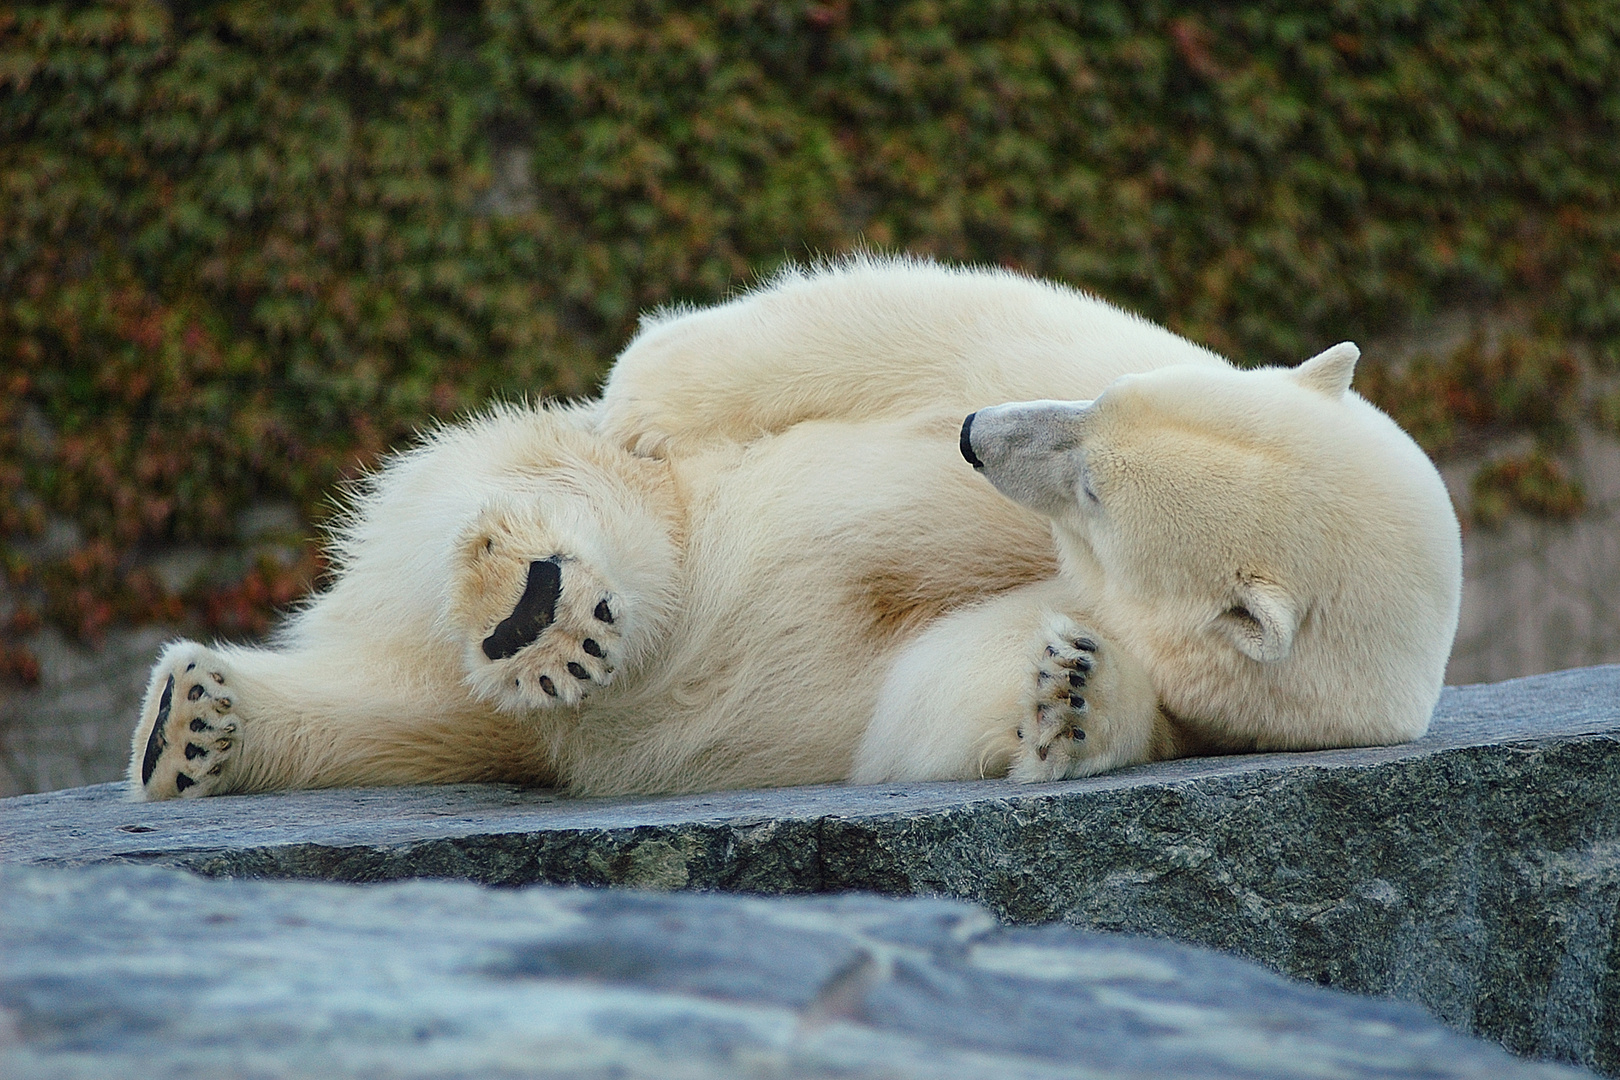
[
  {"x": 1330, "y": 371},
  {"x": 1261, "y": 620}
]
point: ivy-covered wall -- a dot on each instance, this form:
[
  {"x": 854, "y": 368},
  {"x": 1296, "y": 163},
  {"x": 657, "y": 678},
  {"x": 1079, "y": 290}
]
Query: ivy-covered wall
[{"x": 246, "y": 247}]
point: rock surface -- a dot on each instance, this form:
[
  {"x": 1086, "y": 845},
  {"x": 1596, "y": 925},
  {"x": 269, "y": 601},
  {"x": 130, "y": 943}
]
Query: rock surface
[
  {"x": 122, "y": 971},
  {"x": 1476, "y": 872}
]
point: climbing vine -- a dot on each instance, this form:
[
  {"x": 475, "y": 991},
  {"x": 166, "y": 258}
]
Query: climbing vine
[{"x": 246, "y": 248}]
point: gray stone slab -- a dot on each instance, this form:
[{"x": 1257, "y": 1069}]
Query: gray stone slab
[
  {"x": 125, "y": 971},
  {"x": 1476, "y": 872}
]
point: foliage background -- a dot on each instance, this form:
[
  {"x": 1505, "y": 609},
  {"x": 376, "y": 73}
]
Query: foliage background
[{"x": 247, "y": 247}]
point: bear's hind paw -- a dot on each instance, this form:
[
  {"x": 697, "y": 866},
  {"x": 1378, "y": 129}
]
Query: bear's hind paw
[
  {"x": 191, "y": 732},
  {"x": 558, "y": 644}
]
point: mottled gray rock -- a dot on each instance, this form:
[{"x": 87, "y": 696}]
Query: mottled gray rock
[
  {"x": 1476, "y": 872},
  {"x": 121, "y": 971}
]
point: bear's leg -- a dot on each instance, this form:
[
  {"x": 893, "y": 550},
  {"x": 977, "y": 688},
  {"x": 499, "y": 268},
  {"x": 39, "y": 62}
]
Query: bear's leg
[
  {"x": 1010, "y": 687},
  {"x": 539, "y": 605},
  {"x": 228, "y": 719}
]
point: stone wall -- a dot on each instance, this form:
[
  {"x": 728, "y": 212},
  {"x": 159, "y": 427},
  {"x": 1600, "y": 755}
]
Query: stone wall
[{"x": 1542, "y": 595}]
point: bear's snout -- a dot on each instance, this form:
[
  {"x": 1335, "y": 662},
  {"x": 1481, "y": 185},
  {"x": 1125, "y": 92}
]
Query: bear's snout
[{"x": 967, "y": 442}]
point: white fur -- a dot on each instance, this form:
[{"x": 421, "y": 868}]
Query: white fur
[
  {"x": 1283, "y": 559},
  {"x": 807, "y": 582},
  {"x": 872, "y": 338}
]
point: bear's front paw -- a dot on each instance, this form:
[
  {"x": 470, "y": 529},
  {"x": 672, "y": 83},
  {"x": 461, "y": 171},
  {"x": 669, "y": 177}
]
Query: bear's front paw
[
  {"x": 1052, "y": 735},
  {"x": 188, "y": 736},
  {"x": 560, "y": 640},
  {"x": 1089, "y": 707}
]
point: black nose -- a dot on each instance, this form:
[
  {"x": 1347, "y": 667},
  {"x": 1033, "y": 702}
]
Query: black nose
[{"x": 967, "y": 442}]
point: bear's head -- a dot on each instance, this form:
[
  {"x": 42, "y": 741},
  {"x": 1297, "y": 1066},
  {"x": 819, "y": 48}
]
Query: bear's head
[{"x": 1281, "y": 556}]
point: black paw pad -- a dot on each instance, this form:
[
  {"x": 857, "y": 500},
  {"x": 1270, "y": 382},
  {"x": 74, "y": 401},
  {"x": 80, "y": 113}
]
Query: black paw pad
[
  {"x": 1076, "y": 701},
  {"x": 548, "y": 686},
  {"x": 199, "y": 724},
  {"x": 193, "y": 751},
  {"x": 591, "y": 647},
  {"x": 577, "y": 670},
  {"x": 1077, "y": 679},
  {"x": 603, "y": 613},
  {"x": 535, "y": 610},
  {"x": 155, "y": 742},
  {"x": 182, "y": 781},
  {"x": 194, "y": 693}
]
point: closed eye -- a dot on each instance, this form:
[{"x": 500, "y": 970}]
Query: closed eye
[{"x": 1085, "y": 485}]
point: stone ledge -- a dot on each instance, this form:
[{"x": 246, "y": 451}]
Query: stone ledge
[
  {"x": 1476, "y": 872},
  {"x": 125, "y": 971}
]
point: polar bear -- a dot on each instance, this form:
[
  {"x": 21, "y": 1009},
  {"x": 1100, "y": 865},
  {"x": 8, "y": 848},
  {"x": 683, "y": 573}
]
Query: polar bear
[
  {"x": 1281, "y": 558},
  {"x": 761, "y": 558}
]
